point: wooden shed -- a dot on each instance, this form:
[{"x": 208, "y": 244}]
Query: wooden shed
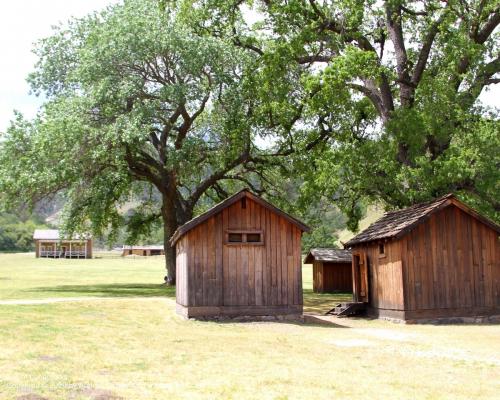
[
  {"x": 332, "y": 270},
  {"x": 434, "y": 260},
  {"x": 50, "y": 244},
  {"x": 144, "y": 250},
  {"x": 241, "y": 257}
]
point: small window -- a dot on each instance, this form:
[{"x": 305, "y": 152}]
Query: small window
[
  {"x": 253, "y": 237},
  {"x": 250, "y": 237},
  {"x": 235, "y": 238},
  {"x": 381, "y": 249}
]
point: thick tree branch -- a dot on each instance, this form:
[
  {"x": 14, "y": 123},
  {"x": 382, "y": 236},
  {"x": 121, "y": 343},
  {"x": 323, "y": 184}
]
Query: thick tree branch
[
  {"x": 395, "y": 28},
  {"x": 483, "y": 78},
  {"x": 483, "y": 34},
  {"x": 424, "y": 53}
]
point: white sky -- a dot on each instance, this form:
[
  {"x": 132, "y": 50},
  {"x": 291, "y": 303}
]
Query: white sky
[{"x": 22, "y": 22}]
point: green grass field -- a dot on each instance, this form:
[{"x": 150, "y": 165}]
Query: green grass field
[{"x": 117, "y": 337}]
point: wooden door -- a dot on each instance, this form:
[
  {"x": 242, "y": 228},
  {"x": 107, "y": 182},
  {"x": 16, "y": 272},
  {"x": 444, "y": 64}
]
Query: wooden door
[
  {"x": 360, "y": 275},
  {"x": 235, "y": 275}
]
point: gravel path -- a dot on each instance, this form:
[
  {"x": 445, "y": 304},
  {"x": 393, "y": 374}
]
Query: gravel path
[{"x": 52, "y": 300}]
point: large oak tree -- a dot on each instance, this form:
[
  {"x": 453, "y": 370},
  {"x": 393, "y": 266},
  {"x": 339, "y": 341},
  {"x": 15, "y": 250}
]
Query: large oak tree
[
  {"x": 134, "y": 97},
  {"x": 389, "y": 87}
]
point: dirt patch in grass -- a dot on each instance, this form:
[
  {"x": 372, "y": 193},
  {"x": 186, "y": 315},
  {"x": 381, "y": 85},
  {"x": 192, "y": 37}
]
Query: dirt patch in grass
[
  {"x": 100, "y": 394},
  {"x": 31, "y": 396},
  {"x": 45, "y": 357},
  {"x": 351, "y": 343},
  {"x": 387, "y": 334}
]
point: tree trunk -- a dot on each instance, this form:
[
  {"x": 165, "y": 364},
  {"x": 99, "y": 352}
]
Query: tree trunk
[
  {"x": 170, "y": 278},
  {"x": 170, "y": 224}
]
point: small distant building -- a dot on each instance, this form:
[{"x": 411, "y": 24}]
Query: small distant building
[
  {"x": 242, "y": 257},
  {"x": 145, "y": 251},
  {"x": 332, "y": 270},
  {"x": 434, "y": 260},
  {"x": 50, "y": 244}
]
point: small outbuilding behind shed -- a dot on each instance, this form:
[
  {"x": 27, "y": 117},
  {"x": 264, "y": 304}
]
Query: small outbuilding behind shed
[
  {"x": 143, "y": 250},
  {"x": 332, "y": 270}
]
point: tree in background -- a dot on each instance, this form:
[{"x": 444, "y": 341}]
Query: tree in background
[
  {"x": 16, "y": 234},
  {"x": 390, "y": 88},
  {"x": 135, "y": 97}
]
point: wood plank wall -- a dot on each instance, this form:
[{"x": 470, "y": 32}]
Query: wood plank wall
[
  {"x": 452, "y": 262},
  {"x": 210, "y": 273},
  {"x": 337, "y": 276},
  {"x": 329, "y": 277},
  {"x": 317, "y": 276},
  {"x": 385, "y": 275}
]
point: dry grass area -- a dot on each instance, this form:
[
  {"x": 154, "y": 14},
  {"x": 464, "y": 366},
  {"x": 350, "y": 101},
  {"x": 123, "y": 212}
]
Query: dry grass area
[{"x": 129, "y": 344}]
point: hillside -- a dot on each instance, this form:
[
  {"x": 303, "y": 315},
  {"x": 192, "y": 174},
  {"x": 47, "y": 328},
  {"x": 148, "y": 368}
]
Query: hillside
[{"x": 373, "y": 213}]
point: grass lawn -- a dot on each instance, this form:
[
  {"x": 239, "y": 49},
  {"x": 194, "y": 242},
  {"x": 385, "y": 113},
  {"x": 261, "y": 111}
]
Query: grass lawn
[{"x": 123, "y": 340}]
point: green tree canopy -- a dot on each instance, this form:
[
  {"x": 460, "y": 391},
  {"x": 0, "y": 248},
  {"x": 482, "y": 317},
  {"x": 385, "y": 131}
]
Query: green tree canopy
[{"x": 389, "y": 89}]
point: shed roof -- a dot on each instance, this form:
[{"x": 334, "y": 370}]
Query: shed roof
[
  {"x": 54, "y": 234},
  {"x": 396, "y": 224},
  {"x": 328, "y": 255},
  {"x": 182, "y": 230}
]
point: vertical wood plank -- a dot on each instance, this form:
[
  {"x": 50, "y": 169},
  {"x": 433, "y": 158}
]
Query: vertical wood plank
[
  {"x": 284, "y": 262},
  {"x": 291, "y": 277},
  {"x": 268, "y": 264},
  {"x": 219, "y": 257}
]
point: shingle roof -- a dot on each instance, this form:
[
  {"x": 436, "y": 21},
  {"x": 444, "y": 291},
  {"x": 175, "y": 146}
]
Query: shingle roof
[
  {"x": 182, "y": 230},
  {"x": 395, "y": 224},
  {"x": 328, "y": 255},
  {"x": 53, "y": 234}
]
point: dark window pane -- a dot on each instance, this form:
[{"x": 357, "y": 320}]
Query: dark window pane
[
  {"x": 381, "y": 249},
  {"x": 235, "y": 238},
  {"x": 253, "y": 237}
]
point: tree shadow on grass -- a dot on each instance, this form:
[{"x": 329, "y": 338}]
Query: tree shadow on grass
[
  {"x": 321, "y": 303},
  {"x": 112, "y": 290}
]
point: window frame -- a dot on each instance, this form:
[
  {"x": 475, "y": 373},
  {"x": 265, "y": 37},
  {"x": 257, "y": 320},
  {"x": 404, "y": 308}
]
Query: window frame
[
  {"x": 244, "y": 233},
  {"x": 381, "y": 246}
]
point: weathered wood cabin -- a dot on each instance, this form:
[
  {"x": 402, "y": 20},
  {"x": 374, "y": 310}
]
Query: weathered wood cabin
[
  {"x": 435, "y": 260},
  {"x": 241, "y": 257},
  {"x": 145, "y": 251},
  {"x": 332, "y": 270},
  {"x": 50, "y": 244}
]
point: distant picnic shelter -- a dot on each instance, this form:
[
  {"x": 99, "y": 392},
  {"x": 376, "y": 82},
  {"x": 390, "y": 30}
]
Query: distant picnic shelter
[{"x": 50, "y": 244}]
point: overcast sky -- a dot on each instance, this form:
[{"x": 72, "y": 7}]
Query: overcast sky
[{"x": 22, "y": 22}]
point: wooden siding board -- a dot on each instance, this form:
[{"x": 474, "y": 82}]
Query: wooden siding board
[
  {"x": 268, "y": 268},
  {"x": 298, "y": 264},
  {"x": 251, "y": 254},
  {"x": 284, "y": 262},
  {"x": 273, "y": 261},
  {"x": 476, "y": 264},
  {"x": 225, "y": 261},
  {"x": 487, "y": 267},
  {"x": 289, "y": 263},
  {"x": 219, "y": 257}
]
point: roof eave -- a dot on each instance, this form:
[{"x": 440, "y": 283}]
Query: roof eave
[{"x": 183, "y": 229}]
